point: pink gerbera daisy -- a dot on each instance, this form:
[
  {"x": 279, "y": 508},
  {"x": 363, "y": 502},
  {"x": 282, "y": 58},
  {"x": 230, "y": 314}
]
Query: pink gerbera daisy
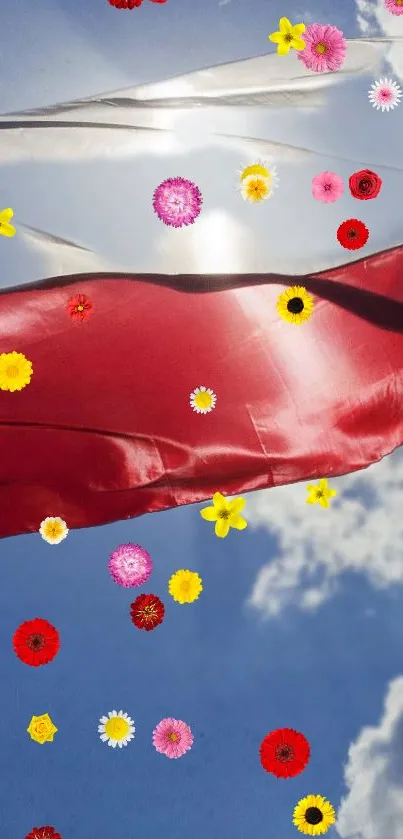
[
  {"x": 395, "y": 7},
  {"x": 130, "y": 565},
  {"x": 177, "y": 202},
  {"x": 327, "y": 187},
  {"x": 172, "y": 738},
  {"x": 325, "y": 48}
]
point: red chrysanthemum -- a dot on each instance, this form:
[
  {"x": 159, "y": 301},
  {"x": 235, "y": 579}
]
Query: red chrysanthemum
[
  {"x": 79, "y": 307},
  {"x": 36, "y": 642},
  {"x": 285, "y": 753},
  {"x": 125, "y": 4},
  {"x": 147, "y": 611},
  {"x": 352, "y": 234},
  {"x": 46, "y": 832}
]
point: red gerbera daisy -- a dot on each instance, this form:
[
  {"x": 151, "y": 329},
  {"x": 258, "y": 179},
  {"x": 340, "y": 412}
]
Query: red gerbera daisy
[
  {"x": 36, "y": 642},
  {"x": 125, "y": 4},
  {"x": 352, "y": 234},
  {"x": 43, "y": 833},
  {"x": 147, "y": 611},
  {"x": 285, "y": 753},
  {"x": 79, "y": 307}
]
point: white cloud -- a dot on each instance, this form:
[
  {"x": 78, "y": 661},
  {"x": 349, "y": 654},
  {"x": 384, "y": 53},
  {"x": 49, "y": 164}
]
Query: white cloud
[
  {"x": 373, "y": 18},
  {"x": 361, "y": 532},
  {"x": 373, "y": 807}
]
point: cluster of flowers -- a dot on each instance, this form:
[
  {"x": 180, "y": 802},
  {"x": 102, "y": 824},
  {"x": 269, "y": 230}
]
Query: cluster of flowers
[{"x": 130, "y": 4}]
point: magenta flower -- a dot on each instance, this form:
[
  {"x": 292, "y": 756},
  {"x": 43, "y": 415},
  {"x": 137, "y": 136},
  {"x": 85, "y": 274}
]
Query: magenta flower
[
  {"x": 327, "y": 187},
  {"x": 177, "y": 202},
  {"x": 325, "y": 48},
  {"x": 130, "y": 565},
  {"x": 172, "y": 738},
  {"x": 395, "y": 7}
]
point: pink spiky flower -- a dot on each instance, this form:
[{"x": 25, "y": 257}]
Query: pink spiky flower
[
  {"x": 325, "y": 48},
  {"x": 177, "y": 202},
  {"x": 130, "y": 565},
  {"x": 172, "y": 738}
]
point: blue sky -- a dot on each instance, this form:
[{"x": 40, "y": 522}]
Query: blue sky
[{"x": 299, "y": 623}]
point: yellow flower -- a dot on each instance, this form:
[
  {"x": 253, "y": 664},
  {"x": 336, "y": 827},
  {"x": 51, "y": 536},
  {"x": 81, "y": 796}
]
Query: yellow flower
[
  {"x": 320, "y": 493},
  {"x": 203, "y": 400},
  {"x": 288, "y": 36},
  {"x": 41, "y": 729},
  {"x": 53, "y": 530},
  {"x": 225, "y": 513},
  {"x": 185, "y": 586},
  {"x": 295, "y": 305},
  {"x": 314, "y": 815},
  {"x": 257, "y": 182},
  {"x": 15, "y": 371},
  {"x": 6, "y": 229}
]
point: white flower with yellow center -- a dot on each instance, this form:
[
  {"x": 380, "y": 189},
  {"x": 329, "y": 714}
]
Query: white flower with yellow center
[
  {"x": 117, "y": 729},
  {"x": 203, "y": 400},
  {"x": 53, "y": 530},
  {"x": 257, "y": 182}
]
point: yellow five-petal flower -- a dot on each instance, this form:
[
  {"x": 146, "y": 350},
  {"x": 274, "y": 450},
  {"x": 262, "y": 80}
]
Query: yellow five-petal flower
[
  {"x": 6, "y": 229},
  {"x": 226, "y": 514},
  {"x": 321, "y": 493},
  {"x": 288, "y": 36}
]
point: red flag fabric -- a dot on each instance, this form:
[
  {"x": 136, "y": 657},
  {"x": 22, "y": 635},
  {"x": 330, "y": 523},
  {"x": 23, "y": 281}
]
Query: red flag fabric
[{"x": 105, "y": 430}]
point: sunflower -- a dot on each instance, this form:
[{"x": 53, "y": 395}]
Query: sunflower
[
  {"x": 295, "y": 305},
  {"x": 185, "y": 586},
  {"x": 117, "y": 729},
  {"x": 314, "y": 815},
  {"x": 226, "y": 514},
  {"x": 15, "y": 371},
  {"x": 53, "y": 530},
  {"x": 320, "y": 493}
]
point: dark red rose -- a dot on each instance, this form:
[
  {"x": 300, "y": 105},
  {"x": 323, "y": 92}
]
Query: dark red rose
[
  {"x": 352, "y": 234},
  {"x": 365, "y": 185}
]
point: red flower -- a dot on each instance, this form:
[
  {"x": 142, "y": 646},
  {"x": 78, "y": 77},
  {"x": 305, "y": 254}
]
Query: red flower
[
  {"x": 147, "y": 611},
  {"x": 158, "y": 1},
  {"x": 352, "y": 234},
  {"x": 285, "y": 753},
  {"x": 125, "y": 4},
  {"x": 36, "y": 642},
  {"x": 43, "y": 833},
  {"x": 365, "y": 185},
  {"x": 79, "y": 307}
]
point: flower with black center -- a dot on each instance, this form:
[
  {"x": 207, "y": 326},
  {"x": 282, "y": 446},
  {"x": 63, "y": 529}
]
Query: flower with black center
[
  {"x": 314, "y": 815},
  {"x": 352, "y": 234},
  {"x": 285, "y": 753},
  {"x": 36, "y": 642},
  {"x": 147, "y": 611},
  {"x": 295, "y": 305},
  {"x": 79, "y": 307}
]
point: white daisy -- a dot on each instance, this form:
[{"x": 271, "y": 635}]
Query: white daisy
[
  {"x": 117, "y": 729},
  {"x": 53, "y": 530},
  {"x": 385, "y": 95},
  {"x": 203, "y": 400}
]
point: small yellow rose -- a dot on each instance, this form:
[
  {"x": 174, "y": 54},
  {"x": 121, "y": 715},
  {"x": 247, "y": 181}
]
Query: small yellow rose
[{"x": 41, "y": 729}]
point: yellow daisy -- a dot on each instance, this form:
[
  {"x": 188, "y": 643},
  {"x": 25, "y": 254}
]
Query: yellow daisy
[
  {"x": 295, "y": 305},
  {"x": 203, "y": 400},
  {"x": 314, "y": 815},
  {"x": 226, "y": 514},
  {"x": 185, "y": 586},
  {"x": 6, "y": 229},
  {"x": 41, "y": 729},
  {"x": 53, "y": 530},
  {"x": 288, "y": 36},
  {"x": 321, "y": 493},
  {"x": 15, "y": 371}
]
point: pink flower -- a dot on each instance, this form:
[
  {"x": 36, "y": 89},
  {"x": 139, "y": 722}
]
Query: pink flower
[
  {"x": 325, "y": 48},
  {"x": 130, "y": 565},
  {"x": 177, "y": 202},
  {"x": 327, "y": 187},
  {"x": 395, "y": 7},
  {"x": 172, "y": 738}
]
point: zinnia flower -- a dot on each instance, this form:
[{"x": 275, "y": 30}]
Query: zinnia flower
[
  {"x": 7, "y": 229},
  {"x": 130, "y": 565},
  {"x": 117, "y": 729},
  {"x": 185, "y": 586},
  {"x": 395, "y": 7},
  {"x": 177, "y": 202},
  {"x": 314, "y": 815},
  {"x": 385, "y": 95},
  {"x": 36, "y": 642},
  {"x": 41, "y": 729},
  {"x": 147, "y": 611},
  {"x": 285, "y": 753},
  {"x": 325, "y": 49},
  {"x": 327, "y": 187},
  {"x": 295, "y": 305},
  {"x": 352, "y": 234},
  {"x": 288, "y": 37},
  {"x": 226, "y": 514},
  {"x": 365, "y": 185},
  {"x": 172, "y": 738},
  {"x": 320, "y": 493},
  {"x": 46, "y": 832},
  {"x": 203, "y": 400},
  {"x": 79, "y": 307},
  {"x": 53, "y": 530},
  {"x": 15, "y": 371}
]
